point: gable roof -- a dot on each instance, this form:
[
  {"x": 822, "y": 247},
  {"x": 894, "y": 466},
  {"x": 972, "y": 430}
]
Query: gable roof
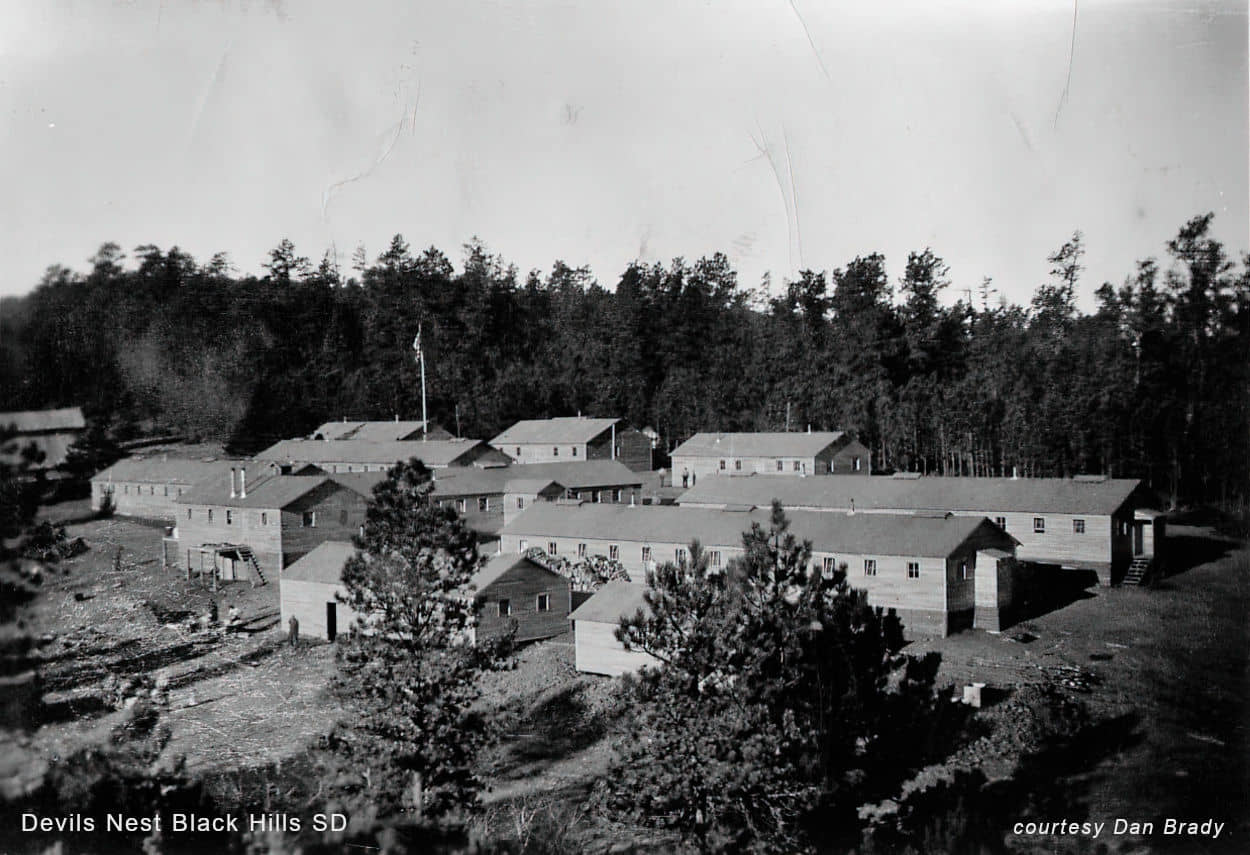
[
  {"x": 498, "y": 565},
  {"x": 166, "y": 470},
  {"x": 269, "y": 492},
  {"x": 583, "y": 475},
  {"x": 615, "y": 600},
  {"x": 566, "y": 430},
  {"x": 31, "y": 421},
  {"x": 933, "y": 493},
  {"x": 937, "y": 536},
  {"x": 434, "y": 452},
  {"x": 323, "y": 564},
  {"x": 774, "y": 444},
  {"x": 377, "y": 431}
]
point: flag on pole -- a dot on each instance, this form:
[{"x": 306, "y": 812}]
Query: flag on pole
[{"x": 416, "y": 343}]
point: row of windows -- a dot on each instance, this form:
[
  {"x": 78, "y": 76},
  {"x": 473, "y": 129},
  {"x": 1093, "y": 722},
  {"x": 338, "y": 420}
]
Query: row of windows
[
  {"x": 542, "y": 603},
  {"x": 555, "y": 451},
  {"x": 1039, "y": 525},
  {"x": 151, "y": 490},
  {"x": 307, "y": 520},
  {"x": 484, "y": 502},
  {"x": 795, "y": 465}
]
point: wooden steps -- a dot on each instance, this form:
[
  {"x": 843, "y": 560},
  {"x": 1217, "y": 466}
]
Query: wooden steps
[{"x": 1137, "y": 570}]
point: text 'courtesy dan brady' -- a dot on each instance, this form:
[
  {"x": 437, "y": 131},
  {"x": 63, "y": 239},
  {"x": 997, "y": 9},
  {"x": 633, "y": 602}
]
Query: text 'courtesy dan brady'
[{"x": 181, "y": 823}]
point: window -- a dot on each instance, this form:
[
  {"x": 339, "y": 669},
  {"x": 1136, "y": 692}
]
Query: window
[
  {"x": 520, "y": 503},
  {"x": 781, "y": 466},
  {"x": 581, "y": 550},
  {"x": 796, "y": 466},
  {"x": 614, "y": 553},
  {"x": 828, "y": 564},
  {"x": 523, "y": 545},
  {"x": 1039, "y": 525},
  {"x": 870, "y": 567},
  {"x": 1124, "y": 528},
  {"x": 713, "y": 557},
  {"x": 343, "y": 517},
  {"x": 1001, "y": 522},
  {"x": 551, "y": 547},
  {"x": 505, "y": 608},
  {"x": 188, "y": 513},
  {"x": 483, "y": 503},
  {"x": 646, "y": 553},
  {"x": 126, "y": 489},
  {"x": 264, "y": 518},
  {"x": 166, "y": 489},
  {"x": 913, "y": 569},
  {"x": 152, "y": 490},
  {"x": 722, "y": 466},
  {"x": 349, "y": 468},
  {"x": 555, "y": 452},
  {"x": 738, "y": 465},
  {"x": 1078, "y": 526},
  {"x": 575, "y": 451},
  {"x": 680, "y": 554},
  {"x": 229, "y": 517},
  {"x": 461, "y": 506},
  {"x": 210, "y": 514},
  {"x": 856, "y": 464},
  {"x": 544, "y": 603},
  {"x": 596, "y": 497},
  {"x": 518, "y": 451},
  {"x": 616, "y": 495},
  {"x": 309, "y": 520},
  {"x": 963, "y": 571},
  {"x": 180, "y": 492}
]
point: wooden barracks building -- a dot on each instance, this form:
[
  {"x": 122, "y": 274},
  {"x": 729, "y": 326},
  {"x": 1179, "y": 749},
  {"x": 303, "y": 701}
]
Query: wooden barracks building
[
  {"x": 252, "y": 529},
  {"x": 792, "y": 454},
  {"x": 1087, "y": 523},
  {"x": 941, "y": 573},
  {"x": 361, "y": 455},
  {"x": 149, "y": 488},
  {"x": 575, "y": 438}
]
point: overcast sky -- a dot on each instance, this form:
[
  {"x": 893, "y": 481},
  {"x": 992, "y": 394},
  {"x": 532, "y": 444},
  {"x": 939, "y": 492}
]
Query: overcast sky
[{"x": 786, "y": 134}]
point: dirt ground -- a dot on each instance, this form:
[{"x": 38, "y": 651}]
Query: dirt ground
[{"x": 1164, "y": 669}]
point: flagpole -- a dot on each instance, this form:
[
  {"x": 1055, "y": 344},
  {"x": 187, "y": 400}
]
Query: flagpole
[{"x": 425, "y": 421}]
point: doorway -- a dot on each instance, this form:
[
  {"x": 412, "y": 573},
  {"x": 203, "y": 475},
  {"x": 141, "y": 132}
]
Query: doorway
[{"x": 331, "y": 621}]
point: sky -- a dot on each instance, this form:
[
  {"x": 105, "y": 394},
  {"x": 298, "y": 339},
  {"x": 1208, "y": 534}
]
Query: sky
[{"x": 788, "y": 134}]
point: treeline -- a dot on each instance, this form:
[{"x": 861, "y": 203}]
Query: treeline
[{"x": 1154, "y": 383}]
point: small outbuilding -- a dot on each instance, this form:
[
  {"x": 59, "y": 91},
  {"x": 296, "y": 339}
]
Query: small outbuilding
[
  {"x": 513, "y": 589},
  {"x": 596, "y": 648},
  {"x": 309, "y": 592}
]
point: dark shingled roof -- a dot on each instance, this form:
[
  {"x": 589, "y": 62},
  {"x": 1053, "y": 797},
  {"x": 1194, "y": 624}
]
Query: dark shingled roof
[
  {"x": 432, "y": 452},
  {"x": 862, "y": 534},
  {"x": 836, "y": 492},
  {"x": 498, "y": 565},
  {"x": 167, "y": 470},
  {"x": 564, "y": 430},
  {"x": 323, "y": 564},
  {"x": 267, "y": 492},
  {"x": 612, "y": 602},
  {"x": 776, "y": 444}
]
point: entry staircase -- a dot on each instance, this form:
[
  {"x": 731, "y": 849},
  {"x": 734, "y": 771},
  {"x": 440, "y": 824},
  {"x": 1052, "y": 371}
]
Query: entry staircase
[
  {"x": 1137, "y": 570},
  {"x": 245, "y": 552}
]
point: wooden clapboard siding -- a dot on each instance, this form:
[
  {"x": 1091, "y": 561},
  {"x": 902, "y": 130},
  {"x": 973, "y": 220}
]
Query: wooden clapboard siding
[
  {"x": 338, "y": 515},
  {"x": 598, "y": 652},
  {"x": 306, "y": 601},
  {"x": 245, "y": 527},
  {"x": 146, "y": 500},
  {"x": 521, "y": 586}
]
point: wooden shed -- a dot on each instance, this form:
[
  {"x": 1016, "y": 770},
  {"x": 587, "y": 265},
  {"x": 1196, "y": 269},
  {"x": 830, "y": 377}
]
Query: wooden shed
[
  {"x": 596, "y": 648},
  {"x": 309, "y": 592},
  {"x": 513, "y": 590}
]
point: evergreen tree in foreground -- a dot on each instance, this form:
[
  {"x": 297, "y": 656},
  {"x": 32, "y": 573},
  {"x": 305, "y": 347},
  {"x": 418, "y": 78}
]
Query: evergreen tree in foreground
[
  {"x": 780, "y": 707},
  {"x": 408, "y": 669}
]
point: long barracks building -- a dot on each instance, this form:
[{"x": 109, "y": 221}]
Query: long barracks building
[
  {"x": 1086, "y": 523},
  {"x": 940, "y": 573}
]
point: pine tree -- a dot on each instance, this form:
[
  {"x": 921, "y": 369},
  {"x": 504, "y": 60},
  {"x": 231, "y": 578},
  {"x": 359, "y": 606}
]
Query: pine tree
[
  {"x": 780, "y": 705},
  {"x": 408, "y": 668}
]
